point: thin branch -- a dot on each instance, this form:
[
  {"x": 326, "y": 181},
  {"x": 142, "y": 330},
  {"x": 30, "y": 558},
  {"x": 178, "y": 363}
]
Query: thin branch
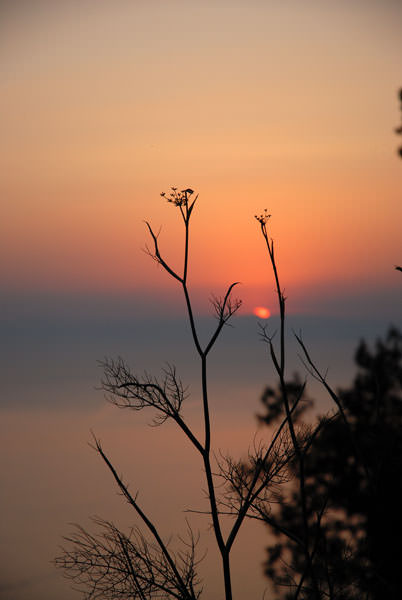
[
  {"x": 313, "y": 370},
  {"x": 224, "y": 309},
  {"x": 157, "y": 256},
  {"x": 133, "y": 502}
]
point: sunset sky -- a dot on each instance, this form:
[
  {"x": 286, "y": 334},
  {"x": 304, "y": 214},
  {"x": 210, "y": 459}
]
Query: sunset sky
[
  {"x": 261, "y": 104},
  {"x": 284, "y": 105}
]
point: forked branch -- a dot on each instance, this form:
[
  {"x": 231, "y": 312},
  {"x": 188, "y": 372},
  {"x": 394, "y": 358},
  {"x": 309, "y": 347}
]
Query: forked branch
[
  {"x": 127, "y": 390},
  {"x": 110, "y": 565},
  {"x": 182, "y": 585}
]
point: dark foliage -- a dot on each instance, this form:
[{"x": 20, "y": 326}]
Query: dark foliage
[
  {"x": 353, "y": 480},
  {"x": 273, "y": 402}
]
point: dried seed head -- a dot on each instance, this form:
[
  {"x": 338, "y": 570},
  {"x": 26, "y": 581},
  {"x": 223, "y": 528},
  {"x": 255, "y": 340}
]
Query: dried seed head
[{"x": 263, "y": 217}]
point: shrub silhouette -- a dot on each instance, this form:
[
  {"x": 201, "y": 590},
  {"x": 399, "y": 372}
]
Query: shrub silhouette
[{"x": 357, "y": 552}]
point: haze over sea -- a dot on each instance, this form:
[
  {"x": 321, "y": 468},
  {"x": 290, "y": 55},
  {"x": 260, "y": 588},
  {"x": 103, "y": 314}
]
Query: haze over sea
[{"x": 49, "y": 405}]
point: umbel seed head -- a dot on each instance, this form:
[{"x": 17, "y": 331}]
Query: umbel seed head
[
  {"x": 178, "y": 198},
  {"x": 263, "y": 218}
]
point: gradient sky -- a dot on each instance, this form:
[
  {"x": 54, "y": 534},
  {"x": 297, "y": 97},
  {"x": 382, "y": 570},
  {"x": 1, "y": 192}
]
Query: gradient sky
[
  {"x": 254, "y": 105},
  {"x": 284, "y": 105}
]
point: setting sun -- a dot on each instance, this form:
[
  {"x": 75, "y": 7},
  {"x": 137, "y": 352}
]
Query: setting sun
[{"x": 262, "y": 312}]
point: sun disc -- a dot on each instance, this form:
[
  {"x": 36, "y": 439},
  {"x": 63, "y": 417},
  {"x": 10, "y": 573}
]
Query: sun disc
[{"x": 262, "y": 312}]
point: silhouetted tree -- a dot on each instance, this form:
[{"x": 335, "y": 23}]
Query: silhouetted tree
[{"x": 353, "y": 480}]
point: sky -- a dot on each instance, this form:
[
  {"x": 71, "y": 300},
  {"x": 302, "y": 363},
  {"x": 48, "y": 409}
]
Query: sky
[
  {"x": 253, "y": 105},
  {"x": 285, "y": 105}
]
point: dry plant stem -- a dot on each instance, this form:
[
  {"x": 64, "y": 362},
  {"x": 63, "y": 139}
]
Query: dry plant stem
[
  {"x": 254, "y": 491},
  {"x": 317, "y": 375},
  {"x": 132, "y": 501},
  {"x": 280, "y": 368},
  {"x": 256, "y": 487},
  {"x": 186, "y": 210},
  {"x": 131, "y": 568},
  {"x": 313, "y": 370},
  {"x": 171, "y": 410},
  {"x": 113, "y": 566}
]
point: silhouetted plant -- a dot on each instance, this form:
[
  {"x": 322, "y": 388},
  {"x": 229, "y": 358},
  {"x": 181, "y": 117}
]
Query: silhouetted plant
[
  {"x": 113, "y": 565},
  {"x": 119, "y": 566},
  {"x": 142, "y": 564},
  {"x": 353, "y": 479}
]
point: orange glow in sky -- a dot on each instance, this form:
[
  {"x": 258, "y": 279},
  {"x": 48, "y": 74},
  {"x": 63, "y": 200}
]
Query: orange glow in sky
[{"x": 268, "y": 106}]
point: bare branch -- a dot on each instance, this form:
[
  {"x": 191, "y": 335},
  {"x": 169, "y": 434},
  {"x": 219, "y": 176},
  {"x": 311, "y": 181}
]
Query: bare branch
[
  {"x": 127, "y": 390},
  {"x": 133, "y": 502},
  {"x": 224, "y": 308},
  {"x": 156, "y": 255},
  {"x": 111, "y": 564}
]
